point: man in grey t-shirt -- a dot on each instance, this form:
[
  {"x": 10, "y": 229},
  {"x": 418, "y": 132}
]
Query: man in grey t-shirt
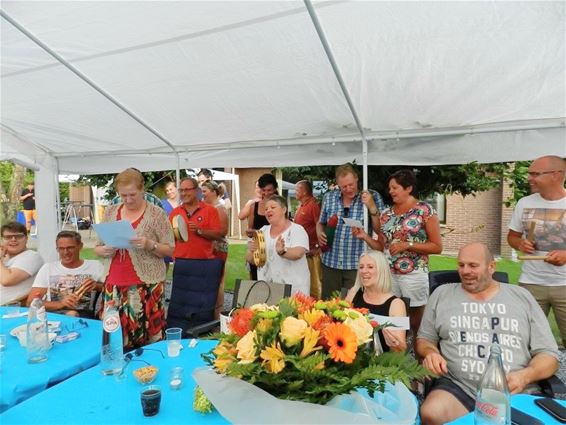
[{"x": 460, "y": 323}]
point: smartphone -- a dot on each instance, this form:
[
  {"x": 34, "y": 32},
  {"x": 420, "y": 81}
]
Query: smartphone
[
  {"x": 521, "y": 418},
  {"x": 553, "y": 408}
]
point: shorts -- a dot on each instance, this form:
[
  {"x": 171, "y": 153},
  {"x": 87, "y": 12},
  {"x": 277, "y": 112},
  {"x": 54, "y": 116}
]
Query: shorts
[
  {"x": 412, "y": 285},
  {"x": 447, "y": 385}
]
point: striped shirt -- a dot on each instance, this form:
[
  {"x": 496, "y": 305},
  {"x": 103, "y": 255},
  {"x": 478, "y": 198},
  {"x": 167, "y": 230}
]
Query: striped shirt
[{"x": 346, "y": 249}]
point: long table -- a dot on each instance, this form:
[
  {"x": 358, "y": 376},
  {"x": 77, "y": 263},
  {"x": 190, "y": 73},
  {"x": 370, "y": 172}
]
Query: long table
[
  {"x": 523, "y": 402},
  {"x": 91, "y": 398},
  {"x": 20, "y": 380}
]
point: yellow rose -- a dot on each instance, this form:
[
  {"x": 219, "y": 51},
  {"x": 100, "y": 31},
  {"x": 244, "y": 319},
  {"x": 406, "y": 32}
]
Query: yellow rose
[
  {"x": 292, "y": 330},
  {"x": 361, "y": 327},
  {"x": 246, "y": 348}
]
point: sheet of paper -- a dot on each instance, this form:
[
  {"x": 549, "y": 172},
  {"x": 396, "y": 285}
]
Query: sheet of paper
[
  {"x": 399, "y": 322},
  {"x": 352, "y": 223},
  {"x": 116, "y": 234}
]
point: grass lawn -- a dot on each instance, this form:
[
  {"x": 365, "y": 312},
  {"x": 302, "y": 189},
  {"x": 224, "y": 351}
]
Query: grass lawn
[{"x": 236, "y": 269}]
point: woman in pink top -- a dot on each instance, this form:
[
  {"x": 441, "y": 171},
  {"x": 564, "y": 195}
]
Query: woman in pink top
[{"x": 134, "y": 277}]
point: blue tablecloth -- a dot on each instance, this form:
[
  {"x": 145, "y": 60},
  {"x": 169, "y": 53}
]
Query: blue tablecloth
[
  {"x": 20, "y": 380},
  {"x": 91, "y": 398},
  {"x": 523, "y": 402}
]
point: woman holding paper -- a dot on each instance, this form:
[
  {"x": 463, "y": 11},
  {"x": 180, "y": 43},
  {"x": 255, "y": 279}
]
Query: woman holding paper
[
  {"x": 134, "y": 277},
  {"x": 372, "y": 290}
]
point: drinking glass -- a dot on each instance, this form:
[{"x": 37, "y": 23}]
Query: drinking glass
[
  {"x": 173, "y": 341},
  {"x": 150, "y": 400}
]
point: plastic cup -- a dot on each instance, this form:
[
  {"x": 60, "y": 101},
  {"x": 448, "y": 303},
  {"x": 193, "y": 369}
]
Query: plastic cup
[
  {"x": 173, "y": 336},
  {"x": 176, "y": 378},
  {"x": 150, "y": 400}
]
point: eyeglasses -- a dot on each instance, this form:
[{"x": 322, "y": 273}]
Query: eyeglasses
[
  {"x": 187, "y": 189},
  {"x": 129, "y": 357},
  {"x": 138, "y": 352},
  {"x": 541, "y": 173},
  {"x": 16, "y": 237},
  {"x": 68, "y": 329}
]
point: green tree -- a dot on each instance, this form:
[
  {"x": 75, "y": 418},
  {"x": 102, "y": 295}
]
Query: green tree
[
  {"x": 465, "y": 179},
  {"x": 13, "y": 178},
  {"x": 154, "y": 182}
]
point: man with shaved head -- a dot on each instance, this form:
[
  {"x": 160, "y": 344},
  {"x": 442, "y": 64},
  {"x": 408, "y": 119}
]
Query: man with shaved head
[
  {"x": 460, "y": 323},
  {"x": 538, "y": 230}
]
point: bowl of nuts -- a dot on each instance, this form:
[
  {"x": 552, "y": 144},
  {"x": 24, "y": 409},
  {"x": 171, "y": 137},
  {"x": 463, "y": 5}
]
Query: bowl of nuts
[{"x": 146, "y": 375}]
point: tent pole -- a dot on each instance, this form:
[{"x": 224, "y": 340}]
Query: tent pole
[
  {"x": 345, "y": 92},
  {"x": 87, "y": 80}
]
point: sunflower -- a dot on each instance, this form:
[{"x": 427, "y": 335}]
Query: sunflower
[
  {"x": 273, "y": 358},
  {"x": 342, "y": 342}
]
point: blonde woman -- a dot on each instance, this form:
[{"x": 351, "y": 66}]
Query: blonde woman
[
  {"x": 372, "y": 290},
  {"x": 134, "y": 277},
  {"x": 212, "y": 195},
  {"x": 286, "y": 244}
]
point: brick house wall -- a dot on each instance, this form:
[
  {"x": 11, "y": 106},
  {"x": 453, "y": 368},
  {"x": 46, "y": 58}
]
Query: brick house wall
[{"x": 474, "y": 219}]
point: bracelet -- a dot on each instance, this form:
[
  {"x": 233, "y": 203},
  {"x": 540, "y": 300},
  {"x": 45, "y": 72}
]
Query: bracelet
[
  {"x": 373, "y": 214},
  {"x": 282, "y": 253}
]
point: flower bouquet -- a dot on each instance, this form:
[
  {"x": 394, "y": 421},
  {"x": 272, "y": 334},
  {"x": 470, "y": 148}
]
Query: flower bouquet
[
  {"x": 305, "y": 351},
  {"x": 329, "y": 231}
]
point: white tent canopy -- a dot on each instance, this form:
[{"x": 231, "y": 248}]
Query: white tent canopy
[{"x": 96, "y": 86}]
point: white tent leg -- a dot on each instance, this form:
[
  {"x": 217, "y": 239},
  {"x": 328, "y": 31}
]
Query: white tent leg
[{"x": 46, "y": 189}]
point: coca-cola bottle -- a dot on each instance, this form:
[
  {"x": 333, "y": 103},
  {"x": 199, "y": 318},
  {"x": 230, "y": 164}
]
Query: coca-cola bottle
[{"x": 492, "y": 402}]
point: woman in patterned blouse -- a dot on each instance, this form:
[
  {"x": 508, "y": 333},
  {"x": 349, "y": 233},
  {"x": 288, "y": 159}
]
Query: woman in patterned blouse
[{"x": 407, "y": 232}]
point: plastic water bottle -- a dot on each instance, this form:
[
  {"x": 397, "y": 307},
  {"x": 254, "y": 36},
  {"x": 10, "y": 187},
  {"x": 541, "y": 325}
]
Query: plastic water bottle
[
  {"x": 492, "y": 402},
  {"x": 112, "y": 353},
  {"x": 37, "y": 336}
]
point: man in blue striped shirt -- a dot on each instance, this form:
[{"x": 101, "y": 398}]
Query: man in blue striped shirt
[{"x": 340, "y": 261}]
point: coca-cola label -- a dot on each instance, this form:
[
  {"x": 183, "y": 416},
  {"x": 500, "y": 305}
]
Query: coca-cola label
[
  {"x": 487, "y": 408},
  {"x": 111, "y": 323}
]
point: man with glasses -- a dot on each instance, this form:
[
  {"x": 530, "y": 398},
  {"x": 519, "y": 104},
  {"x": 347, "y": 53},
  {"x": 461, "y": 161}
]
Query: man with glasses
[
  {"x": 340, "y": 260},
  {"x": 538, "y": 230},
  {"x": 202, "y": 220},
  {"x": 67, "y": 285},
  {"x": 18, "y": 264}
]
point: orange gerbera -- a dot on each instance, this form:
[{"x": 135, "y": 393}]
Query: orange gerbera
[
  {"x": 342, "y": 342},
  {"x": 241, "y": 322}
]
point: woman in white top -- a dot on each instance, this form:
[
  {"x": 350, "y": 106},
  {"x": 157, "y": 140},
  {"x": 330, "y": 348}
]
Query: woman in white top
[{"x": 286, "y": 244}]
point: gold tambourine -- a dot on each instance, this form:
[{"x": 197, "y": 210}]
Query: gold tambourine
[
  {"x": 259, "y": 254},
  {"x": 180, "y": 228}
]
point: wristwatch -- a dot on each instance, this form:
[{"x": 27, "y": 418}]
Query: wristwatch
[
  {"x": 283, "y": 252},
  {"x": 199, "y": 232},
  {"x": 154, "y": 247},
  {"x": 373, "y": 213}
]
